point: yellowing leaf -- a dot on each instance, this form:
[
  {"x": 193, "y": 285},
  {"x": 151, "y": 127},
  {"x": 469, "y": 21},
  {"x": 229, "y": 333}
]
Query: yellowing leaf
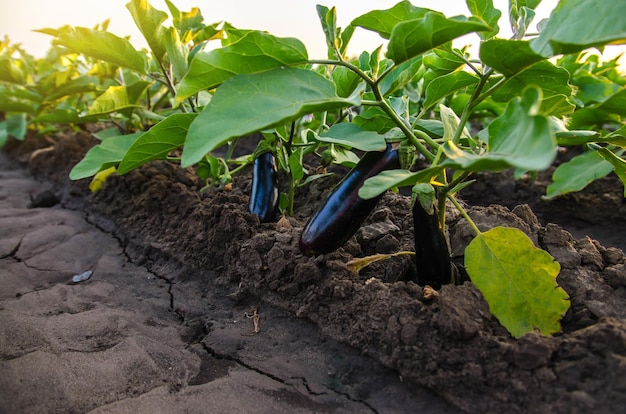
[
  {"x": 100, "y": 178},
  {"x": 517, "y": 280}
]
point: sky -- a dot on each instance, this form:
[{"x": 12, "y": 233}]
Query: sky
[{"x": 284, "y": 18}]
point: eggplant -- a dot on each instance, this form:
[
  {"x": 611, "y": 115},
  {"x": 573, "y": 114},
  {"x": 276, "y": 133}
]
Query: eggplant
[
  {"x": 432, "y": 256},
  {"x": 344, "y": 211},
  {"x": 264, "y": 197}
]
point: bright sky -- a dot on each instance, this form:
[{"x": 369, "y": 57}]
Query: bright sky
[{"x": 285, "y": 18}]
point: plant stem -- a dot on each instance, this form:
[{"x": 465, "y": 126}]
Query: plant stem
[
  {"x": 467, "y": 111},
  {"x": 464, "y": 213},
  {"x": 404, "y": 126}
]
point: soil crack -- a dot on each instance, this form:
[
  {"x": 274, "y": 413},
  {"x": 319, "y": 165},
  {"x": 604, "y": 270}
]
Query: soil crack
[
  {"x": 13, "y": 253},
  {"x": 124, "y": 245},
  {"x": 303, "y": 380}
]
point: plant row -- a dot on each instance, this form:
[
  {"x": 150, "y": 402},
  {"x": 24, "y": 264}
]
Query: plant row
[{"x": 200, "y": 87}]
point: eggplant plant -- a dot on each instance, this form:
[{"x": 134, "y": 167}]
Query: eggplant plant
[{"x": 509, "y": 108}]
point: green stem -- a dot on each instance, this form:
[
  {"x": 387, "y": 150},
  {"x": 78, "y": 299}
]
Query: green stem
[
  {"x": 404, "y": 126},
  {"x": 464, "y": 214},
  {"x": 467, "y": 111}
]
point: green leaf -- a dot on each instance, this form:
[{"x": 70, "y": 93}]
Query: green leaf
[
  {"x": 508, "y": 57},
  {"x": 104, "y": 46},
  {"x": 328, "y": 19},
  {"x": 177, "y": 53},
  {"x": 16, "y": 126},
  {"x": 64, "y": 116},
  {"x": 619, "y": 165},
  {"x": 554, "y": 84},
  {"x": 577, "y": 173},
  {"x": 519, "y": 138},
  {"x": 79, "y": 85},
  {"x": 445, "y": 85},
  {"x": 401, "y": 75},
  {"x": 157, "y": 143},
  {"x": 256, "y": 52},
  {"x": 517, "y": 280},
  {"x": 414, "y": 37},
  {"x": 373, "y": 118},
  {"x": 484, "y": 10},
  {"x": 385, "y": 180},
  {"x": 115, "y": 98},
  {"x": 383, "y": 21},
  {"x": 441, "y": 61},
  {"x": 10, "y": 71},
  {"x": 521, "y": 15},
  {"x": 352, "y": 136},
  {"x": 249, "y": 103},
  {"x": 615, "y": 103},
  {"x": 345, "y": 80},
  {"x": 107, "y": 154},
  {"x": 450, "y": 122},
  {"x": 4, "y": 135},
  {"x": 14, "y": 105},
  {"x": 149, "y": 21},
  {"x": 577, "y": 25}
]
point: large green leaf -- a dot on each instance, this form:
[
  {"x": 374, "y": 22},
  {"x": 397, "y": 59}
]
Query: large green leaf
[
  {"x": 385, "y": 180},
  {"x": 351, "y": 135},
  {"x": 150, "y": 23},
  {"x": 554, "y": 84},
  {"x": 517, "y": 280},
  {"x": 255, "y": 52},
  {"x": 107, "y": 154},
  {"x": 249, "y": 103},
  {"x": 414, "y": 37},
  {"x": 519, "y": 138},
  {"x": 158, "y": 142},
  {"x": 445, "y": 85},
  {"x": 104, "y": 46},
  {"x": 577, "y": 173},
  {"x": 576, "y": 25},
  {"x": 508, "y": 57},
  {"x": 484, "y": 10},
  {"x": 383, "y": 21}
]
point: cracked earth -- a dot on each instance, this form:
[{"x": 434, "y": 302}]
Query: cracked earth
[{"x": 125, "y": 340}]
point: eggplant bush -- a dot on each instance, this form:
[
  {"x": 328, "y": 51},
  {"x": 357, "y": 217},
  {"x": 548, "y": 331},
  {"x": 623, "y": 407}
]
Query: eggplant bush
[{"x": 509, "y": 108}]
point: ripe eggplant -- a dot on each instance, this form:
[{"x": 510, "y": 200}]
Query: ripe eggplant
[
  {"x": 344, "y": 211},
  {"x": 264, "y": 197},
  {"x": 432, "y": 256}
]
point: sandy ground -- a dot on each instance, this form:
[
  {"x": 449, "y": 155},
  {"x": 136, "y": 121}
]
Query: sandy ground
[{"x": 117, "y": 344}]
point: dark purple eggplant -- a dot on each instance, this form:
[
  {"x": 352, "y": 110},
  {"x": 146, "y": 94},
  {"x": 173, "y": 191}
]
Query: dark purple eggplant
[
  {"x": 264, "y": 197},
  {"x": 432, "y": 256},
  {"x": 344, "y": 211}
]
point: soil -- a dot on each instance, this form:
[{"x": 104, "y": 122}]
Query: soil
[{"x": 205, "y": 243}]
